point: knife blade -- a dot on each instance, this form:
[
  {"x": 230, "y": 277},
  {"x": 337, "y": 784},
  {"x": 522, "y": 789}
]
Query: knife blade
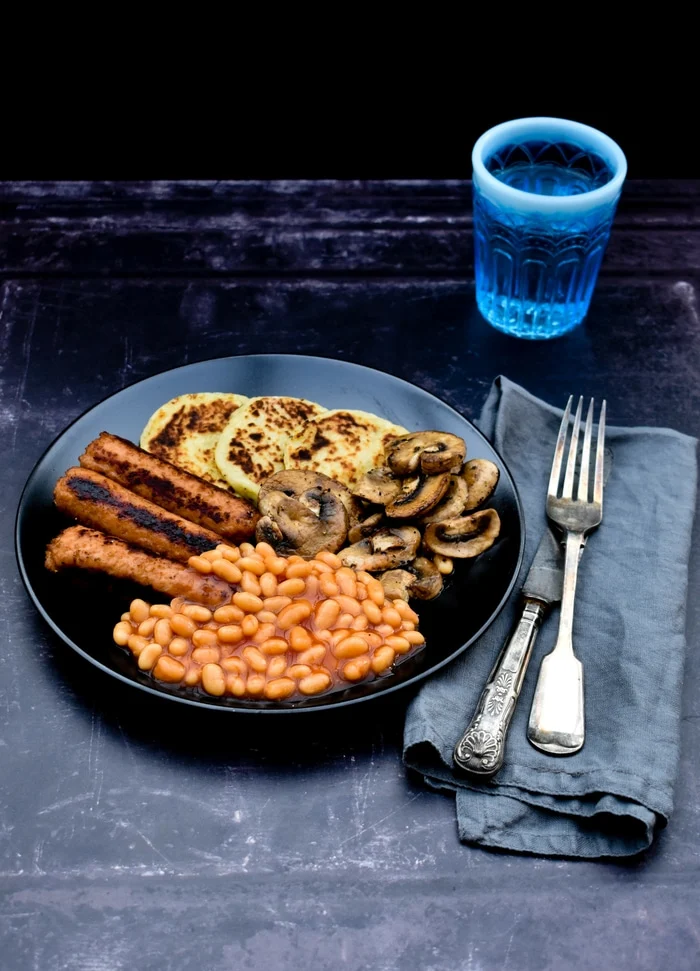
[{"x": 480, "y": 751}]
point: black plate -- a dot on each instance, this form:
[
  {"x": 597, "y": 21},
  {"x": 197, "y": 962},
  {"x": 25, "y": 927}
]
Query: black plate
[{"x": 472, "y": 599}]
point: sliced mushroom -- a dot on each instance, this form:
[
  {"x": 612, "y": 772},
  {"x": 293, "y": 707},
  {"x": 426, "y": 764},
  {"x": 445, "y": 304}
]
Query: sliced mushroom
[
  {"x": 452, "y": 503},
  {"x": 428, "y": 581},
  {"x": 378, "y": 486},
  {"x": 481, "y": 477},
  {"x": 397, "y": 584},
  {"x": 465, "y": 536},
  {"x": 302, "y": 513},
  {"x": 418, "y": 495},
  {"x": 432, "y": 452},
  {"x": 369, "y": 522},
  {"x": 383, "y": 550}
]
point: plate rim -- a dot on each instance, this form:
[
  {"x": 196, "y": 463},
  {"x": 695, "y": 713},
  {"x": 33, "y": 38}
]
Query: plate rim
[{"x": 194, "y": 702}]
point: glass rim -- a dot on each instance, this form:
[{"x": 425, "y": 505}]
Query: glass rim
[{"x": 529, "y": 202}]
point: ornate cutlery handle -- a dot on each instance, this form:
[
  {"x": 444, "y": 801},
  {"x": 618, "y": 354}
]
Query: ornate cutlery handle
[{"x": 480, "y": 750}]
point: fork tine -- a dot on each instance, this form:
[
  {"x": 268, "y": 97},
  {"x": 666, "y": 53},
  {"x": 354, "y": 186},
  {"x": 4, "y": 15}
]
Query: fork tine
[
  {"x": 559, "y": 450},
  {"x": 600, "y": 459},
  {"x": 582, "y": 492},
  {"x": 573, "y": 450}
]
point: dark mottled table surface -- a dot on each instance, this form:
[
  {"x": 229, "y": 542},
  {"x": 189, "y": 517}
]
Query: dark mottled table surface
[{"x": 136, "y": 836}]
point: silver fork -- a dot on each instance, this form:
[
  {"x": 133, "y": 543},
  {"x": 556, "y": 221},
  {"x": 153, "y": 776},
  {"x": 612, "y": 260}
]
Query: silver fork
[{"x": 557, "y": 716}]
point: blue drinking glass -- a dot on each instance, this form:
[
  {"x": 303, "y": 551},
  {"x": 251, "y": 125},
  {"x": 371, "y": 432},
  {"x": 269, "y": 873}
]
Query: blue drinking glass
[{"x": 545, "y": 193}]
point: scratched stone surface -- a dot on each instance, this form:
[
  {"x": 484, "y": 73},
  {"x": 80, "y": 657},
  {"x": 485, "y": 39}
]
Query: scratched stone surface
[{"x": 135, "y": 834}]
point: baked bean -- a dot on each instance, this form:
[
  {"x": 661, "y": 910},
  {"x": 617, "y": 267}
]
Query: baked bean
[
  {"x": 382, "y": 660},
  {"x": 345, "y": 620},
  {"x": 314, "y": 684},
  {"x": 352, "y": 646},
  {"x": 229, "y": 614},
  {"x": 199, "y": 564},
  {"x": 235, "y": 665},
  {"x": 246, "y": 549},
  {"x": 444, "y": 564},
  {"x": 398, "y": 644},
  {"x": 122, "y": 632},
  {"x": 145, "y": 629},
  {"x": 249, "y": 625},
  {"x": 231, "y": 553},
  {"x": 275, "y": 604},
  {"x": 235, "y": 685},
  {"x": 255, "y": 685},
  {"x": 136, "y": 643},
  {"x": 356, "y": 669},
  {"x": 127, "y": 616},
  {"x": 390, "y": 615},
  {"x": 139, "y": 611},
  {"x": 264, "y": 632},
  {"x": 372, "y": 611},
  {"x": 213, "y": 680},
  {"x": 193, "y": 676},
  {"x": 333, "y": 561},
  {"x": 360, "y": 623},
  {"x": 197, "y": 612},
  {"x": 163, "y": 632},
  {"x": 345, "y": 578},
  {"x": 247, "y": 601},
  {"x": 264, "y": 549},
  {"x": 249, "y": 583},
  {"x": 321, "y": 568},
  {"x": 148, "y": 656},
  {"x": 226, "y": 570},
  {"x": 274, "y": 645},
  {"x": 178, "y": 646},
  {"x": 363, "y": 576},
  {"x": 279, "y": 688},
  {"x": 374, "y": 639},
  {"x": 299, "y": 570},
  {"x": 385, "y": 629},
  {"x": 375, "y": 591},
  {"x": 256, "y": 660},
  {"x": 325, "y": 636},
  {"x": 276, "y": 667},
  {"x": 268, "y": 584},
  {"x": 253, "y": 564},
  {"x": 206, "y": 655},
  {"x": 299, "y": 639},
  {"x": 291, "y": 588},
  {"x": 211, "y": 555},
  {"x": 276, "y": 564},
  {"x": 405, "y": 612},
  {"x": 182, "y": 625},
  {"x": 293, "y": 614},
  {"x": 311, "y": 592},
  {"x": 338, "y": 635},
  {"x": 413, "y": 637},
  {"x": 230, "y": 634},
  {"x": 204, "y": 638},
  {"x": 326, "y": 614},
  {"x": 295, "y": 558},
  {"x": 361, "y": 594},
  {"x": 299, "y": 671},
  {"x": 407, "y": 625},
  {"x": 314, "y": 655},
  {"x": 266, "y": 617},
  {"x": 348, "y": 604},
  {"x": 161, "y": 610},
  {"x": 328, "y": 586},
  {"x": 168, "y": 669}
]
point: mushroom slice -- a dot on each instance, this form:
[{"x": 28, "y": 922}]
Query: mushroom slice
[
  {"x": 368, "y": 522},
  {"x": 418, "y": 495},
  {"x": 379, "y": 486},
  {"x": 432, "y": 452},
  {"x": 428, "y": 582},
  {"x": 397, "y": 584},
  {"x": 465, "y": 536},
  {"x": 302, "y": 512},
  {"x": 385, "y": 549},
  {"x": 452, "y": 503},
  {"x": 481, "y": 477}
]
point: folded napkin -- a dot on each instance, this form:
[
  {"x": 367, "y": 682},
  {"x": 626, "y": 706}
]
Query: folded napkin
[{"x": 609, "y": 798}]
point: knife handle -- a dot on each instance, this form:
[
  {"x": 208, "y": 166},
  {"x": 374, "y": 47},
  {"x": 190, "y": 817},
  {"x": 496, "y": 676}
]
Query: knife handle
[{"x": 480, "y": 750}]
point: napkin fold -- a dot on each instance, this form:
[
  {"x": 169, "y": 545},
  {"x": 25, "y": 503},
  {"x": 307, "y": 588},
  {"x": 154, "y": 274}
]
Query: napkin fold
[{"x": 629, "y": 632}]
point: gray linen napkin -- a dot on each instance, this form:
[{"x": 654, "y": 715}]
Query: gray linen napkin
[{"x": 609, "y": 798}]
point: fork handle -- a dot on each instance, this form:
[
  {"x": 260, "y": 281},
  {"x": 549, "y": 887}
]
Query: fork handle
[
  {"x": 481, "y": 749},
  {"x": 556, "y": 724}
]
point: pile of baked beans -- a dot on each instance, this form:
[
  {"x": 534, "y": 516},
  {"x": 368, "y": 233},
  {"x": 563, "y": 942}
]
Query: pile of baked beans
[{"x": 292, "y": 628}]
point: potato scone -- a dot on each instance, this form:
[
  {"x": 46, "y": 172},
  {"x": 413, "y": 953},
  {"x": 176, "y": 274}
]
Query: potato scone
[
  {"x": 252, "y": 445},
  {"x": 185, "y": 431},
  {"x": 341, "y": 444}
]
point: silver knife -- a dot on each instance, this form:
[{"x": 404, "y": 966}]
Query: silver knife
[{"x": 480, "y": 750}]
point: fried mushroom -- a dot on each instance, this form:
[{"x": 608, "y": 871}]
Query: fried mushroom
[
  {"x": 368, "y": 522},
  {"x": 303, "y": 512},
  {"x": 387, "y": 548},
  {"x": 452, "y": 503},
  {"x": 431, "y": 452},
  {"x": 465, "y": 536},
  {"x": 428, "y": 582},
  {"x": 378, "y": 486},
  {"x": 418, "y": 495},
  {"x": 481, "y": 477},
  {"x": 397, "y": 584}
]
